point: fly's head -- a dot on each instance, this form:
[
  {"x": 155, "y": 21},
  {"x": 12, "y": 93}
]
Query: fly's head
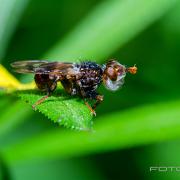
[{"x": 114, "y": 74}]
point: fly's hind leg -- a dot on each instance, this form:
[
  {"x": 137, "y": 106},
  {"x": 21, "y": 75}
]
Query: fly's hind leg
[{"x": 41, "y": 100}]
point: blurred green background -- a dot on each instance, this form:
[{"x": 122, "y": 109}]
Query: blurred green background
[{"x": 135, "y": 128}]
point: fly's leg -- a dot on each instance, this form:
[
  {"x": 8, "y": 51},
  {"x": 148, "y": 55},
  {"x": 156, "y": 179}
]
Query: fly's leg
[
  {"x": 89, "y": 107},
  {"x": 84, "y": 96},
  {"x": 99, "y": 99},
  {"x": 40, "y": 100}
]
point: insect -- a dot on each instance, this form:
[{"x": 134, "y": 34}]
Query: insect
[{"x": 81, "y": 79}]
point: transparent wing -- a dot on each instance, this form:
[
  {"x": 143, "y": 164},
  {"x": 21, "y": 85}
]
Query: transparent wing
[
  {"x": 44, "y": 67},
  {"x": 27, "y": 66}
]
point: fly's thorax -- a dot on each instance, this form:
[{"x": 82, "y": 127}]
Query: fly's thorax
[{"x": 90, "y": 74}]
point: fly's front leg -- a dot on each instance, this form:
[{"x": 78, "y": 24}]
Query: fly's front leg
[
  {"x": 99, "y": 99},
  {"x": 93, "y": 112}
]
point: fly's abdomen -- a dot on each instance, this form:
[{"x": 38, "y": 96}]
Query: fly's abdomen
[{"x": 44, "y": 83}]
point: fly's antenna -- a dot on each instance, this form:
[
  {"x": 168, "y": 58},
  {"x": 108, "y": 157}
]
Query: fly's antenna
[{"x": 132, "y": 70}]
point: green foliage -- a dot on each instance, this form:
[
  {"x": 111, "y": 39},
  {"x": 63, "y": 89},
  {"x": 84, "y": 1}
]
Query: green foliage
[
  {"x": 137, "y": 126},
  {"x": 10, "y": 11},
  {"x": 109, "y": 26},
  {"x": 16, "y": 118},
  {"x": 106, "y": 28},
  {"x": 61, "y": 108}
]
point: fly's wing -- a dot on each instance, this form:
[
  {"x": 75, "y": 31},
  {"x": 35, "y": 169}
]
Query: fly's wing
[
  {"x": 45, "y": 67},
  {"x": 27, "y": 66},
  {"x": 61, "y": 69}
]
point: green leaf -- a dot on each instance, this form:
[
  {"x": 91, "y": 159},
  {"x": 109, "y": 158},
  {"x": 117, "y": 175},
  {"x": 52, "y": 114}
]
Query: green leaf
[
  {"x": 138, "y": 126},
  {"x": 16, "y": 118},
  {"x": 62, "y": 109},
  {"x": 108, "y": 27},
  {"x": 10, "y": 13}
]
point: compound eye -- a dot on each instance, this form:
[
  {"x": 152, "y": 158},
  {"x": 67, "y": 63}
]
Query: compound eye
[
  {"x": 111, "y": 73},
  {"x": 120, "y": 70}
]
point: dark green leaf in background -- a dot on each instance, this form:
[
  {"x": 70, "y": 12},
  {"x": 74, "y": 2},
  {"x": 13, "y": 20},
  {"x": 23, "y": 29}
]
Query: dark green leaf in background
[{"x": 10, "y": 12}]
